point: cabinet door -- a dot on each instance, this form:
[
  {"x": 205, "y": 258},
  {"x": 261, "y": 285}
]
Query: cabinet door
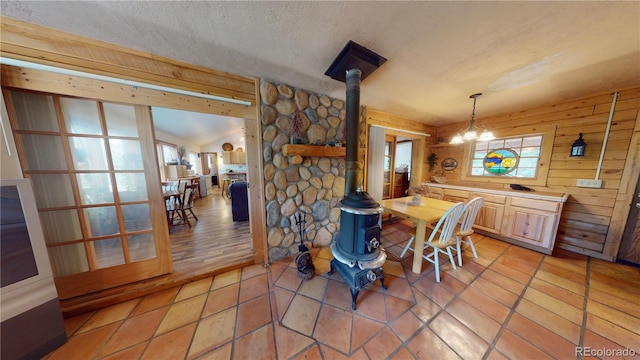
[
  {"x": 490, "y": 217},
  {"x": 434, "y": 196},
  {"x": 455, "y": 195},
  {"x": 531, "y": 226},
  {"x": 454, "y": 199}
]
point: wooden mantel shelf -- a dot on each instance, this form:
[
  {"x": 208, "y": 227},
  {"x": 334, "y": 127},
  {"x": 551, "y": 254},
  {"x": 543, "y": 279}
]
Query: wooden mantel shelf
[{"x": 313, "y": 150}]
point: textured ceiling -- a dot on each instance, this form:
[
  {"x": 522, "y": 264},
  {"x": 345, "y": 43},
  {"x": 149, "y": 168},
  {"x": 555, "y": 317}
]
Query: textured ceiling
[{"x": 519, "y": 54}]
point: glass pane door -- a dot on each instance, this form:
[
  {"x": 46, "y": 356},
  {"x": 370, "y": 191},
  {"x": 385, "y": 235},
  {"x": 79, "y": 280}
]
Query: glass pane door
[
  {"x": 387, "y": 182},
  {"x": 86, "y": 162}
]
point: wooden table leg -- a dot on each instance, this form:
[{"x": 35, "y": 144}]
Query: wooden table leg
[{"x": 421, "y": 230}]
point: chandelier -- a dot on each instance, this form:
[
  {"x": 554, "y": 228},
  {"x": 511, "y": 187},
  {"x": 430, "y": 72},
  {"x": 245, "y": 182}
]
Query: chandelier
[{"x": 470, "y": 133}]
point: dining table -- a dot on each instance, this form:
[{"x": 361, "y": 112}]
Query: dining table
[
  {"x": 168, "y": 194},
  {"x": 426, "y": 212}
]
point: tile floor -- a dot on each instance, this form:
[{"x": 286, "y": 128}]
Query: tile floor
[{"x": 509, "y": 303}]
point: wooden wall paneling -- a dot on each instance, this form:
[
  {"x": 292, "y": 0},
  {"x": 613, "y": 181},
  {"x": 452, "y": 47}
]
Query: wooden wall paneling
[
  {"x": 255, "y": 165},
  {"x": 257, "y": 205},
  {"x": 587, "y": 214},
  {"x": 399, "y": 126},
  {"x": 626, "y": 193},
  {"x": 42, "y": 45},
  {"x": 102, "y": 90},
  {"x": 390, "y": 121},
  {"x": 585, "y": 226}
]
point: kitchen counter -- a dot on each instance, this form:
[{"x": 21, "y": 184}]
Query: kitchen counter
[
  {"x": 506, "y": 192},
  {"x": 526, "y": 218}
]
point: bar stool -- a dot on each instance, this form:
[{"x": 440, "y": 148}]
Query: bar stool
[{"x": 225, "y": 185}]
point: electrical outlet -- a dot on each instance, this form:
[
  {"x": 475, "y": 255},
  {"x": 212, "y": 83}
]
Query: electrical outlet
[{"x": 589, "y": 183}]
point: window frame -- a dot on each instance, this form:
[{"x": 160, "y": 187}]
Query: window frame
[{"x": 548, "y": 134}]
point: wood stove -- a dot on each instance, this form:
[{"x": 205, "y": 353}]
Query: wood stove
[{"x": 357, "y": 253}]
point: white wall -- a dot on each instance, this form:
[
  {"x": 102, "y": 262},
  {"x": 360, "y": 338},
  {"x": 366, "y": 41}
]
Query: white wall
[{"x": 403, "y": 154}]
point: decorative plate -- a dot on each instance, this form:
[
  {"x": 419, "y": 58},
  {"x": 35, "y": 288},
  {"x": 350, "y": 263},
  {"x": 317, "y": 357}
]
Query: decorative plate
[
  {"x": 449, "y": 164},
  {"x": 227, "y": 147}
]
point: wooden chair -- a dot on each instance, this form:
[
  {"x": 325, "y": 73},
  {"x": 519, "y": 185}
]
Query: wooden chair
[
  {"x": 170, "y": 201},
  {"x": 185, "y": 206},
  {"x": 464, "y": 232},
  {"x": 196, "y": 181},
  {"x": 443, "y": 231}
]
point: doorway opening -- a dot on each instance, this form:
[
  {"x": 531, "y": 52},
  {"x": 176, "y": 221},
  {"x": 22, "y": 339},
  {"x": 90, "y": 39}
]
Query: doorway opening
[{"x": 215, "y": 240}]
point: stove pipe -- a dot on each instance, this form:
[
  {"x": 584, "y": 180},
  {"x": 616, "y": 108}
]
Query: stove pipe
[
  {"x": 360, "y": 214},
  {"x": 352, "y": 125},
  {"x": 353, "y": 197}
]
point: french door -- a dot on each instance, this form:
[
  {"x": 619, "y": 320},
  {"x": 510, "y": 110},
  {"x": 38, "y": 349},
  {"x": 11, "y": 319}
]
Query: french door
[{"x": 94, "y": 173}]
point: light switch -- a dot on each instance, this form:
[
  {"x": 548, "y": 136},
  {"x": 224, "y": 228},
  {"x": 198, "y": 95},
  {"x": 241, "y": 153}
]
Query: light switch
[{"x": 589, "y": 183}]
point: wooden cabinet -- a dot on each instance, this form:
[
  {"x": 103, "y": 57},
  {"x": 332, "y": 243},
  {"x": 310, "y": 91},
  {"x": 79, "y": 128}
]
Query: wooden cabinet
[
  {"x": 402, "y": 185},
  {"x": 532, "y": 221},
  {"x": 530, "y": 225},
  {"x": 233, "y": 157},
  {"x": 454, "y": 195},
  {"x": 176, "y": 171},
  {"x": 435, "y": 193},
  {"x": 491, "y": 214},
  {"x": 526, "y": 219}
]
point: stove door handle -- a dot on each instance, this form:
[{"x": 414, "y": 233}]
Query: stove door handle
[{"x": 373, "y": 244}]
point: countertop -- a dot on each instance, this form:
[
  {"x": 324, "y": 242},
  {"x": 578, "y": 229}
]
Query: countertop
[{"x": 538, "y": 195}]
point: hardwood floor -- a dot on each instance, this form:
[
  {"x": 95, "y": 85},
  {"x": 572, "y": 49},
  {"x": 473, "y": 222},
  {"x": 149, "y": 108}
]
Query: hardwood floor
[
  {"x": 212, "y": 245},
  {"x": 213, "y": 241}
]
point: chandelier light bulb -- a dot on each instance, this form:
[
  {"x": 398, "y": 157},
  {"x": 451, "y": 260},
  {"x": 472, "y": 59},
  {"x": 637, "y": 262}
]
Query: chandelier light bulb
[
  {"x": 486, "y": 136},
  {"x": 470, "y": 133},
  {"x": 456, "y": 139}
]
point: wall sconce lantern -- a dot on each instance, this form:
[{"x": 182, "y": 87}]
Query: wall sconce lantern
[{"x": 577, "y": 148}]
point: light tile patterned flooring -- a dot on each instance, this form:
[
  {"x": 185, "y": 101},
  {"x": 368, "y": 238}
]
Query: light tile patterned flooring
[{"x": 510, "y": 303}]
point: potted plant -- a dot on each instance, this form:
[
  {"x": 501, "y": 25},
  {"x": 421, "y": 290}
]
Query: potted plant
[{"x": 432, "y": 160}]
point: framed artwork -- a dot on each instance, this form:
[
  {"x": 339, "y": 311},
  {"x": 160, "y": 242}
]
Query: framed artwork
[
  {"x": 449, "y": 164},
  {"x": 500, "y": 161}
]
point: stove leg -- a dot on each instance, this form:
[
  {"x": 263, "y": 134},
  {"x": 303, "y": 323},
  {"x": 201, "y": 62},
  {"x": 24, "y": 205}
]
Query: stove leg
[
  {"x": 354, "y": 296},
  {"x": 382, "y": 282}
]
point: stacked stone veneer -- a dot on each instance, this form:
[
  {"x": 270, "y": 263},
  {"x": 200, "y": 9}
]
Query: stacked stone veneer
[{"x": 295, "y": 184}]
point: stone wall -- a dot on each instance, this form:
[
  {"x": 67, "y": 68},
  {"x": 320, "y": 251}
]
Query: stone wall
[{"x": 312, "y": 186}]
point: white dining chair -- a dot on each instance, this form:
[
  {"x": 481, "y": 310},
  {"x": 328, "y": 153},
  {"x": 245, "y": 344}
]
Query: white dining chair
[
  {"x": 441, "y": 238},
  {"x": 464, "y": 232}
]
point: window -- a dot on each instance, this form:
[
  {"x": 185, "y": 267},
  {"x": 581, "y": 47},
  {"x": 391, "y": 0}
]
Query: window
[
  {"x": 512, "y": 158},
  {"x": 169, "y": 153},
  {"x": 193, "y": 160},
  {"x": 509, "y": 157}
]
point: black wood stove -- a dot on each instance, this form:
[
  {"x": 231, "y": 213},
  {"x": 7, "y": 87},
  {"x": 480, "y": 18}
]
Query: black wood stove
[{"x": 357, "y": 253}]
